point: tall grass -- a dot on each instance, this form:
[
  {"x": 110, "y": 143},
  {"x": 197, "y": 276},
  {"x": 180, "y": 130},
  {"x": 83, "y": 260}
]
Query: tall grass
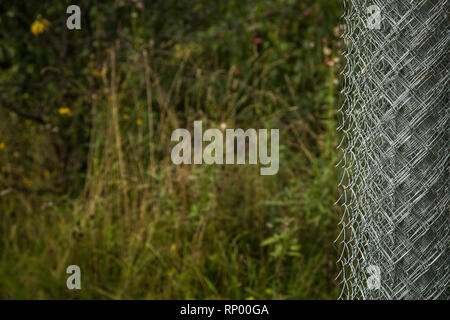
[{"x": 145, "y": 228}]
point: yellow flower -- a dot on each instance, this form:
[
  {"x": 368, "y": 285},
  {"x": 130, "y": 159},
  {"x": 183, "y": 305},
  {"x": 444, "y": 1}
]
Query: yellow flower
[
  {"x": 64, "y": 110},
  {"x": 39, "y": 25},
  {"x": 96, "y": 73},
  {"x": 2, "y": 145},
  {"x": 139, "y": 122},
  {"x": 46, "y": 173},
  {"x": 181, "y": 52},
  {"x": 126, "y": 116},
  {"x": 27, "y": 181}
]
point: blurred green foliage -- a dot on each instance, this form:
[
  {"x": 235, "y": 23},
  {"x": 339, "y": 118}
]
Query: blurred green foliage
[{"x": 86, "y": 176}]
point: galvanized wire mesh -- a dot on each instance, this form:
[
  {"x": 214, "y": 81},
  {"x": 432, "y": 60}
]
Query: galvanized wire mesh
[{"x": 395, "y": 125}]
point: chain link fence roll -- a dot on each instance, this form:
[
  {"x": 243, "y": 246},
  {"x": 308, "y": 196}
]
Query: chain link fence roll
[{"x": 395, "y": 138}]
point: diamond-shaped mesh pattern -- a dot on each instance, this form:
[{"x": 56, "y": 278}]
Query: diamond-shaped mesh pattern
[{"x": 395, "y": 143}]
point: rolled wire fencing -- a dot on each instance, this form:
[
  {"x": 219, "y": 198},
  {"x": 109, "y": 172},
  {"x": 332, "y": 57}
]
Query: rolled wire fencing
[{"x": 395, "y": 119}]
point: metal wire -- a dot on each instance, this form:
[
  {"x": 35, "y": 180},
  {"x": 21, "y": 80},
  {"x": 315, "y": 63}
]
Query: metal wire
[{"x": 395, "y": 121}]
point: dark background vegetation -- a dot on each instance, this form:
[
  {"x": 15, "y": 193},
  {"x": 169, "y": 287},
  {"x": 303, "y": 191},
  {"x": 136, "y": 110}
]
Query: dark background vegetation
[{"x": 86, "y": 177}]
